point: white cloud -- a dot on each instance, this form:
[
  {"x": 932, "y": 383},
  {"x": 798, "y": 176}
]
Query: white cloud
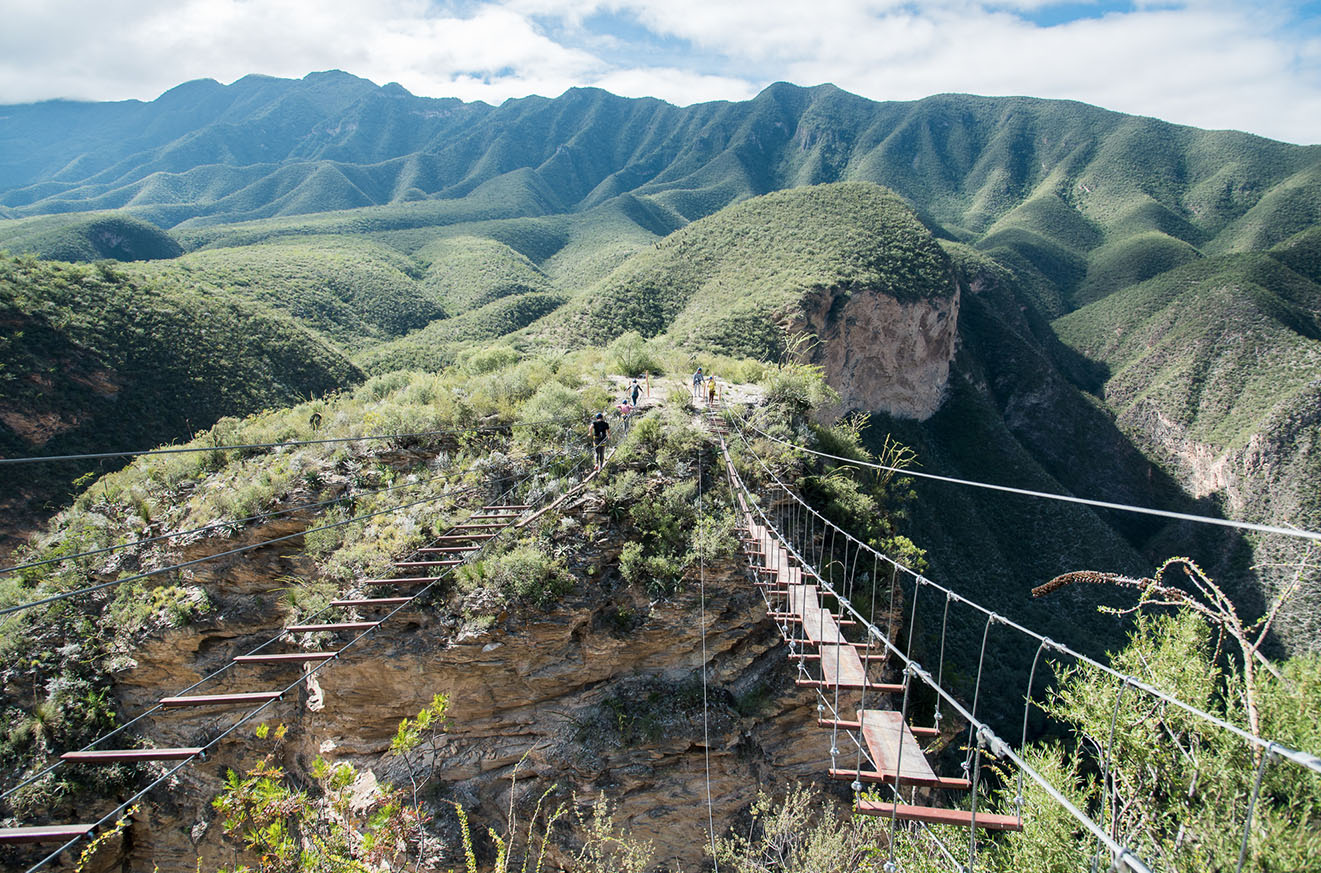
[{"x": 1212, "y": 63}]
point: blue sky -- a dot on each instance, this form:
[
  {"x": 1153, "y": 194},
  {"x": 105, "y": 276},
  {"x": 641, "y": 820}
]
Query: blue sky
[{"x": 1209, "y": 63}]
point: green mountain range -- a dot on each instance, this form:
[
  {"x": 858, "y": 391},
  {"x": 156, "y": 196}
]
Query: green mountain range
[{"x": 1138, "y": 302}]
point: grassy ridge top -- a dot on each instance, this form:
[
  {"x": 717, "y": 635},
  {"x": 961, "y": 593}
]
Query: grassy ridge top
[
  {"x": 351, "y": 290},
  {"x": 757, "y": 260},
  {"x": 116, "y": 235}
]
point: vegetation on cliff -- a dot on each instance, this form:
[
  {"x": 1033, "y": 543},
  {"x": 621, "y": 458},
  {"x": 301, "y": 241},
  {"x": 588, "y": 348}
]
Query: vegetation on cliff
[{"x": 724, "y": 282}]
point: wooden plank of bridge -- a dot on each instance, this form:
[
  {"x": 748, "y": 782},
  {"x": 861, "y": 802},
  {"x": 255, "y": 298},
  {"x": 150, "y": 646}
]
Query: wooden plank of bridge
[
  {"x": 446, "y": 550},
  {"x": 221, "y": 699},
  {"x": 371, "y": 601},
  {"x": 464, "y": 538},
  {"x": 117, "y": 756},
  {"x": 285, "y": 658},
  {"x": 885, "y": 778},
  {"x": 841, "y": 666},
  {"x": 892, "y": 745},
  {"x": 44, "y": 833},
  {"x": 420, "y": 564},
  {"x": 938, "y": 815},
  {"x": 819, "y": 624},
  {"x": 514, "y": 507},
  {"x": 332, "y": 626},
  {"x": 403, "y": 580},
  {"x": 845, "y": 724}
]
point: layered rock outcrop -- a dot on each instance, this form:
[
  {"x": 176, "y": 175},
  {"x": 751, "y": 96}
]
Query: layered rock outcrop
[{"x": 601, "y": 693}]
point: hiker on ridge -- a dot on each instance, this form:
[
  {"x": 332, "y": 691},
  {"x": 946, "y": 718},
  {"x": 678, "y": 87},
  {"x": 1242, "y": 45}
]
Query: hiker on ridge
[
  {"x": 697, "y": 385},
  {"x": 600, "y": 432},
  {"x": 634, "y": 391}
]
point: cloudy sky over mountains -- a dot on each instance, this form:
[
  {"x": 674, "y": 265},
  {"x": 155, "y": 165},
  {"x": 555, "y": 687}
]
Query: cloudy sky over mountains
[{"x": 1211, "y": 63}]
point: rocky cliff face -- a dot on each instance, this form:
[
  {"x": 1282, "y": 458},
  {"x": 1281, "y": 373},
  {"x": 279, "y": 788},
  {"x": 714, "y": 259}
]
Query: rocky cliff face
[
  {"x": 880, "y": 354},
  {"x": 1270, "y": 478},
  {"x": 601, "y": 693}
]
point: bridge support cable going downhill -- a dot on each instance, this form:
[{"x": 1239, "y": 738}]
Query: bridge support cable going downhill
[
  {"x": 512, "y": 512},
  {"x": 187, "y": 450},
  {"x": 1302, "y": 759},
  {"x": 1046, "y": 495},
  {"x": 985, "y": 738},
  {"x": 982, "y": 736}
]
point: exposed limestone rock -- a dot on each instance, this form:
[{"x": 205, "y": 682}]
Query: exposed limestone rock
[{"x": 881, "y": 354}]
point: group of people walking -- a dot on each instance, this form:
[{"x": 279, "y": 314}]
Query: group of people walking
[{"x": 704, "y": 387}]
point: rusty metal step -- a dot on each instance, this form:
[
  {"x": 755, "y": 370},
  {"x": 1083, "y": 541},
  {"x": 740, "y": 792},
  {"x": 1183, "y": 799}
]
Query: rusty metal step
[
  {"x": 221, "y": 699},
  {"x": 117, "y": 756}
]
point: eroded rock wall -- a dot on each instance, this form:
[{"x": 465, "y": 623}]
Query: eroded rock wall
[
  {"x": 882, "y": 354},
  {"x": 601, "y": 693}
]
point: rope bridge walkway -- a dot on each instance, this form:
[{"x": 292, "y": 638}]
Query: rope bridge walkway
[{"x": 808, "y": 569}]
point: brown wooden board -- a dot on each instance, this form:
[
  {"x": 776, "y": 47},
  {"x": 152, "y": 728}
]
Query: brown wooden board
[
  {"x": 334, "y": 626},
  {"x": 221, "y": 699},
  {"x": 372, "y": 601},
  {"x": 44, "y": 833},
  {"x": 285, "y": 658},
  {"x": 115, "y": 756},
  {"x": 888, "y": 779},
  {"x": 888, "y": 736},
  {"x": 937, "y": 815}
]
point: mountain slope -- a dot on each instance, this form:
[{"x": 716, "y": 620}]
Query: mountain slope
[
  {"x": 94, "y": 360},
  {"x": 729, "y": 281},
  {"x": 113, "y": 235},
  {"x": 262, "y": 147}
]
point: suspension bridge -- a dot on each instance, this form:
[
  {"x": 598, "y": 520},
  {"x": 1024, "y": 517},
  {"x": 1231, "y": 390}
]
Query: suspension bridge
[{"x": 862, "y": 677}]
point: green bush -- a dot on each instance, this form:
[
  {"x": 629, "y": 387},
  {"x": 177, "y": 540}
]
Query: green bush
[
  {"x": 525, "y": 572},
  {"x": 633, "y": 355}
]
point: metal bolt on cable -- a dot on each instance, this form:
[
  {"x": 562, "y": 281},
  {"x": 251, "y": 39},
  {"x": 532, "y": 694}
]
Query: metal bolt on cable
[
  {"x": 834, "y": 751},
  {"x": 820, "y": 707},
  {"x": 856, "y": 786},
  {"x": 891, "y": 867}
]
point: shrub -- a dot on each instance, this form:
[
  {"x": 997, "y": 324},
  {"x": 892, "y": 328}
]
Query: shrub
[
  {"x": 525, "y": 572},
  {"x": 633, "y": 356}
]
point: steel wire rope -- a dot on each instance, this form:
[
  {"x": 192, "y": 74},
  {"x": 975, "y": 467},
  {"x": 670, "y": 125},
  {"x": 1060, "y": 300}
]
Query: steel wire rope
[
  {"x": 1122, "y": 854},
  {"x": 186, "y": 450},
  {"x": 706, "y": 730},
  {"x": 1303, "y": 759},
  {"x": 1026, "y": 492},
  {"x": 311, "y": 671}
]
